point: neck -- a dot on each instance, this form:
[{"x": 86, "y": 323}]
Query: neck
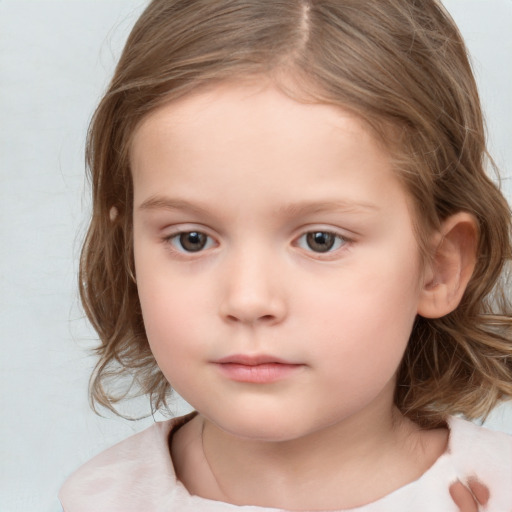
[
  {"x": 345, "y": 465},
  {"x": 337, "y": 445}
]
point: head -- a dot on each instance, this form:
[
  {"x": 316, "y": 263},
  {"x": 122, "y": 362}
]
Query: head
[{"x": 401, "y": 68}]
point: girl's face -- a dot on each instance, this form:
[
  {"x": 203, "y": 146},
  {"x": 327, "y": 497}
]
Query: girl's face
[{"x": 276, "y": 261}]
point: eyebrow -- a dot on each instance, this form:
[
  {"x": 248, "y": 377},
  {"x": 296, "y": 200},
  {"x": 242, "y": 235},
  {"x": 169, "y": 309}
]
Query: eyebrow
[
  {"x": 289, "y": 210},
  {"x": 166, "y": 203},
  {"x": 312, "y": 207}
]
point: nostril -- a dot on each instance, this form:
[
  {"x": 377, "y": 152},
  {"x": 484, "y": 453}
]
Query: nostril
[
  {"x": 263, "y": 318},
  {"x": 252, "y": 308}
]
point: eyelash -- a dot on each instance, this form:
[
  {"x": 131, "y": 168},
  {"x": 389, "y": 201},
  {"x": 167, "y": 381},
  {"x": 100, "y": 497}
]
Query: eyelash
[
  {"x": 335, "y": 241},
  {"x": 178, "y": 238}
]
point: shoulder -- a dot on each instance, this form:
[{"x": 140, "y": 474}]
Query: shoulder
[
  {"x": 135, "y": 474},
  {"x": 473, "y": 454},
  {"x": 468, "y": 440},
  {"x": 485, "y": 455}
]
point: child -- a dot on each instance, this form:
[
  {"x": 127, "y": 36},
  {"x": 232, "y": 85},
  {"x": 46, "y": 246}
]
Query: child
[{"x": 292, "y": 227}]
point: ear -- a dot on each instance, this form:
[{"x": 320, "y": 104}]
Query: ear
[{"x": 453, "y": 261}]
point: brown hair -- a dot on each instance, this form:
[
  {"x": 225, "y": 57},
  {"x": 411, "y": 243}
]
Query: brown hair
[{"x": 402, "y": 66}]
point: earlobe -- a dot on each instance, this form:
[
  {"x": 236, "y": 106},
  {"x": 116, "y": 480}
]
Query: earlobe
[{"x": 453, "y": 261}]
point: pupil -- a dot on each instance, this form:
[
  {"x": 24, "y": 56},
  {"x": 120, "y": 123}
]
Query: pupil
[
  {"x": 320, "y": 241},
  {"x": 193, "y": 241}
]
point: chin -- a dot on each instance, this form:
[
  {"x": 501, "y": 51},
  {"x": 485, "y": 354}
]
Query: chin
[{"x": 256, "y": 426}]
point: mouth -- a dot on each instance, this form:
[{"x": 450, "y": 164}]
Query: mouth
[{"x": 256, "y": 369}]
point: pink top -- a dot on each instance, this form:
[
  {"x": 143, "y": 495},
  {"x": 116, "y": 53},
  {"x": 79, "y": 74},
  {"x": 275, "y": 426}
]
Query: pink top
[{"x": 137, "y": 475}]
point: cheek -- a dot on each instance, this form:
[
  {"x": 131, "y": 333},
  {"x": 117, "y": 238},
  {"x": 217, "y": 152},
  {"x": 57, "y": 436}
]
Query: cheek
[
  {"x": 367, "y": 319},
  {"x": 364, "y": 351},
  {"x": 177, "y": 303},
  {"x": 168, "y": 313},
  {"x": 168, "y": 338},
  {"x": 173, "y": 312},
  {"x": 364, "y": 334},
  {"x": 167, "y": 298}
]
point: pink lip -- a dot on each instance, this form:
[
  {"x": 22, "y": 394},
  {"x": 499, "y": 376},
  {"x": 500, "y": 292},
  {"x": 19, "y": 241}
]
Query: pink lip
[{"x": 258, "y": 369}]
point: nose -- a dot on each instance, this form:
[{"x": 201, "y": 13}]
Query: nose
[{"x": 253, "y": 291}]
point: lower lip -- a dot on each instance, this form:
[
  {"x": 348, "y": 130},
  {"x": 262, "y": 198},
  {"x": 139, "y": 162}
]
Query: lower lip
[{"x": 258, "y": 374}]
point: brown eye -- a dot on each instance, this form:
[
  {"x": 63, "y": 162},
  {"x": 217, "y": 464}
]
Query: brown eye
[
  {"x": 190, "y": 241},
  {"x": 321, "y": 241}
]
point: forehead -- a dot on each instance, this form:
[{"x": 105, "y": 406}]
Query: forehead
[
  {"x": 230, "y": 136},
  {"x": 261, "y": 106},
  {"x": 261, "y": 114}
]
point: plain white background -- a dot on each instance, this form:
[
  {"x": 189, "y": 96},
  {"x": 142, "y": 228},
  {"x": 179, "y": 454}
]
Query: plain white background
[{"x": 55, "y": 61}]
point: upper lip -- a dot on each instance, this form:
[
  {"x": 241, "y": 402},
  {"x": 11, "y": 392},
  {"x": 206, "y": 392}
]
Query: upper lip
[{"x": 252, "y": 360}]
